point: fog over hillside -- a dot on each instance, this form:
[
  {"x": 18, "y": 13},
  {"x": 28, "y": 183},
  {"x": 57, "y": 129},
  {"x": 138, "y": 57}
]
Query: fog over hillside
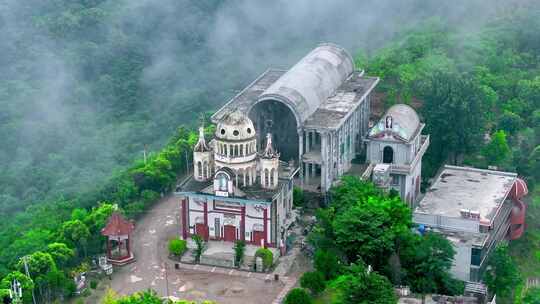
[{"x": 85, "y": 84}]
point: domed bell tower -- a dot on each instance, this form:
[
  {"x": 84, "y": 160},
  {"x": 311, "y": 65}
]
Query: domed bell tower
[
  {"x": 202, "y": 159},
  {"x": 269, "y": 163}
]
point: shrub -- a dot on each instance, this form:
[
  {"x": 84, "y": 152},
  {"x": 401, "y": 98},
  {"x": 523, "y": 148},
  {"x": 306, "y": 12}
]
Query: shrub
[
  {"x": 200, "y": 248},
  {"x": 177, "y": 247},
  {"x": 267, "y": 257},
  {"x": 327, "y": 263},
  {"x": 298, "y": 197},
  {"x": 239, "y": 249},
  {"x": 314, "y": 281},
  {"x": 93, "y": 284},
  {"x": 297, "y": 296}
]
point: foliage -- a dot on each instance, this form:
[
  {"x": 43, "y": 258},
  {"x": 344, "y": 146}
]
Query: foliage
[
  {"x": 267, "y": 257},
  {"x": 502, "y": 275},
  {"x": 93, "y": 284},
  {"x": 239, "y": 249},
  {"x": 27, "y": 284},
  {"x": 497, "y": 151},
  {"x": 313, "y": 281},
  {"x": 532, "y": 296},
  {"x": 298, "y": 197},
  {"x": 370, "y": 227},
  {"x": 360, "y": 286},
  {"x": 327, "y": 263},
  {"x": 429, "y": 258},
  {"x": 143, "y": 297},
  {"x": 297, "y": 296},
  {"x": 60, "y": 253},
  {"x": 200, "y": 247},
  {"x": 177, "y": 247}
]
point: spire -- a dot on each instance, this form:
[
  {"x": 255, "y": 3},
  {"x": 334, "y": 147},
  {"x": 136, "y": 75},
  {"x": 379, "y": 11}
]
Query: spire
[
  {"x": 269, "y": 151},
  {"x": 201, "y": 145}
]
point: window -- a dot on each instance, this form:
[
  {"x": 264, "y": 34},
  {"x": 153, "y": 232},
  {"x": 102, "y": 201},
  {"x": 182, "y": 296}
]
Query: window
[
  {"x": 222, "y": 181},
  {"x": 395, "y": 180},
  {"x": 266, "y": 177},
  {"x": 222, "y": 131},
  {"x": 235, "y": 132},
  {"x": 476, "y": 256},
  {"x": 388, "y": 155},
  {"x": 199, "y": 169},
  {"x": 241, "y": 150}
]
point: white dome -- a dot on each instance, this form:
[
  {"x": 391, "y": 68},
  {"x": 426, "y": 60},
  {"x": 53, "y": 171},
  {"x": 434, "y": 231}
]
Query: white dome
[{"x": 235, "y": 126}]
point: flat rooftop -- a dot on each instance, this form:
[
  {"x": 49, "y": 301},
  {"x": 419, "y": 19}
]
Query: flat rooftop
[{"x": 458, "y": 188}]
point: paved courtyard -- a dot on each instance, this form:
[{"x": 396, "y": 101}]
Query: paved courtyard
[{"x": 194, "y": 282}]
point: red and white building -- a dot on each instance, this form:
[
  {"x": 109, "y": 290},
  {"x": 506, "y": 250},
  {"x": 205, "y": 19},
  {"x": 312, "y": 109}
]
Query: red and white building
[{"x": 237, "y": 193}]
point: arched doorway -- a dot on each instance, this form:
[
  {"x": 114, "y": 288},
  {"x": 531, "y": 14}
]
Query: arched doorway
[
  {"x": 272, "y": 116},
  {"x": 388, "y": 155}
]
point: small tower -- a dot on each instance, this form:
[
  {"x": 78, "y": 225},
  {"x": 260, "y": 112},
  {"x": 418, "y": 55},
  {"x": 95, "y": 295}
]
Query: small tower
[
  {"x": 202, "y": 159},
  {"x": 269, "y": 161}
]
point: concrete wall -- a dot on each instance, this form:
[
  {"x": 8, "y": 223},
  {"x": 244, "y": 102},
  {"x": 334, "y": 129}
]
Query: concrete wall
[{"x": 461, "y": 266}]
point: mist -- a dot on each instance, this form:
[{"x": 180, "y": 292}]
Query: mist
[{"x": 84, "y": 86}]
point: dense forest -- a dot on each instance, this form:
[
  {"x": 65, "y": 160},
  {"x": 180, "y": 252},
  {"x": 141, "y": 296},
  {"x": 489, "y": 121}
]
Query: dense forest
[{"x": 86, "y": 85}]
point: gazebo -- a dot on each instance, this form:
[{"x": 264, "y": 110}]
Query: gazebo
[{"x": 118, "y": 231}]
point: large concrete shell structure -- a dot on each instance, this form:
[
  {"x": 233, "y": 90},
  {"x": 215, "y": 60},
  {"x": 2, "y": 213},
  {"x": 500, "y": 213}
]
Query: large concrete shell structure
[{"x": 317, "y": 111}]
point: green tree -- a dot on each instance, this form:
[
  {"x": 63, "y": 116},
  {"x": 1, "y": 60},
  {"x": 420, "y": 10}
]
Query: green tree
[
  {"x": 427, "y": 260},
  {"x": 532, "y": 296},
  {"x": 369, "y": 230},
  {"x": 327, "y": 263},
  {"x": 313, "y": 281},
  {"x": 60, "y": 253},
  {"x": 454, "y": 113},
  {"x": 27, "y": 284},
  {"x": 510, "y": 122},
  {"x": 75, "y": 232},
  {"x": 297, "y": 296},
  {"x": 502, "y": 275},
  {"x": 239, "y": 250},
  {"x": 360, "y": 286},
  {"x": 497, "y": 151}
]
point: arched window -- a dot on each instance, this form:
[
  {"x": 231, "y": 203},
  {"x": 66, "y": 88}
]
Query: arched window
[
  {"x": 272, "y": 177},
  {"x": 266, "y": 177},
  {"x": 222, "y": 182},
  {"x": 205, "y": 169},
  {"x": 388, "y": 155},
  {"x": 199, "y": 169},
  {"x": 225, "y": 150},
  {"x": 241, "y": 150}
]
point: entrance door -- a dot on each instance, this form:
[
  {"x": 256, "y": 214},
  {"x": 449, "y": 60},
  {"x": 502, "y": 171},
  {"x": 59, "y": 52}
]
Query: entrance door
[
  {"x": 229, "y": 233},
  {"x": 217, "y": 228},
  {"x": 202, "y": 231},
  {"x": 257, "y": 237}
]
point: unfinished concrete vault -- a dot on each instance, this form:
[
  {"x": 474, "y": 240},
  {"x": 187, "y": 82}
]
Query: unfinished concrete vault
[{"x": 317, "y": 112}]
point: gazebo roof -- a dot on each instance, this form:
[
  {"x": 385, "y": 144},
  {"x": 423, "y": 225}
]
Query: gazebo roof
[{"x": 117, "y": 225}]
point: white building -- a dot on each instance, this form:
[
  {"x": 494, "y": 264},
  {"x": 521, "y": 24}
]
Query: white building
[
  {"x": 237, "y": 193},
  {"x": 397, "y": 141},
  {"x": 475, "y": 209}
]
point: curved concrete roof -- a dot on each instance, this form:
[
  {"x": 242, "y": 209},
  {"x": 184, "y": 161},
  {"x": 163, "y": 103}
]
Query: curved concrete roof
[
  {"x": 312, "y": 80},
  {"x": 235, "y": 126},
  {"x": 405, "y": 122}
]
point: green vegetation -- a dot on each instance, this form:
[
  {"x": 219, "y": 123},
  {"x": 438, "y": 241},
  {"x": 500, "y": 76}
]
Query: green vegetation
[
  {"x": 267, "y": 257},
  {"x": 297, "y": 296},
  {"x": 200, "y": 247},
  {"x": 144, "y": 297},
  {"x": 313, "y": 281},
  {"x": 177, "y": 247},
  {"x": 239, "y": 249},
  {"x": 298, "y": 197},
  {"x": 503, "y": 276},
  {"x": 364, "y": 226}
]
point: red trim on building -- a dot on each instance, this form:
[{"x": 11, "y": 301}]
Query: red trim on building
[
  {"x": 265, "y": 225},
  {"x": 206, "y": 214},
  {"x": 243, "y": 224},
  {"x": 185, "y": 219}
]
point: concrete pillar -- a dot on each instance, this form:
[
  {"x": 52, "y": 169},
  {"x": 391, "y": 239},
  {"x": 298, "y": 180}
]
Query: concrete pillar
[
  {"x": 314, "y": 171},
  {"x": 244, "y": 176},
  {"x": 324, "y": 161},
  {"x": 308, "y": 141},
  {"x": 300, "y": 153}
]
